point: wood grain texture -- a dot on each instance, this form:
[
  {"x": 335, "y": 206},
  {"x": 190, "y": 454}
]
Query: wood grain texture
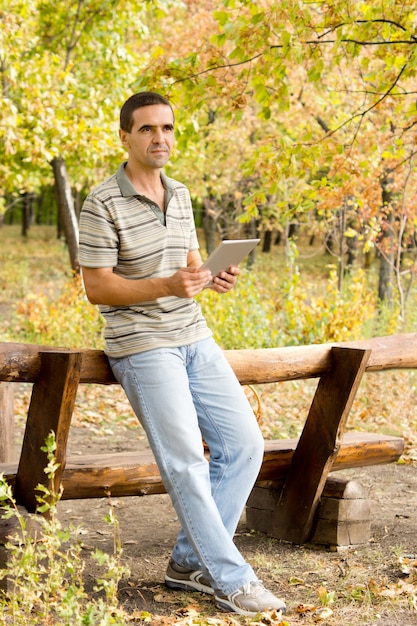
[
  {"x": 136, "y": 473},
  {"x": 303, "y": 464},
  {"x": 20, "y": 362},
  {"x": 50, "y": 409},
  {"x": 319, "y": 444}
]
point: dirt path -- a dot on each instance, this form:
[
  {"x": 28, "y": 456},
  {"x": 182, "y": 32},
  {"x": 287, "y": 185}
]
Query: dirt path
[
  {"x": 148, "y": 526},
  {"x": 368, "y": 585}
]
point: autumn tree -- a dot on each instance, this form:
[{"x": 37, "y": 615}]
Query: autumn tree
[
  {"x": 65, "y": 67},
  {"x": 313, "y": 103},
  {"x": 325, "y": 92}
]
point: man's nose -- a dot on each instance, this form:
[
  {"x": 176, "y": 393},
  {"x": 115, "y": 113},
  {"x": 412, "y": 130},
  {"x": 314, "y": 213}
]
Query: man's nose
[{"x": 158, "y": 136}]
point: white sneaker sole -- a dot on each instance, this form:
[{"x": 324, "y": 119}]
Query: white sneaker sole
[
  {"x": 230, "y": 607},
  {"x": 192, "y": 584}
]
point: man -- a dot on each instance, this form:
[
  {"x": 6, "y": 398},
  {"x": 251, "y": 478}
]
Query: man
[{"x": 140, "y": 263}]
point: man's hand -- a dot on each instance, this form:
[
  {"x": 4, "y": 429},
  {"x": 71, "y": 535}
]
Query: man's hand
[
  {"x": 188, "y": 282},
  {"x": 225, "y": 281}
]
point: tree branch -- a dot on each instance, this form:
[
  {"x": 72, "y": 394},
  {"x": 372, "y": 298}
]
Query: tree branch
[
  {"x": 220, "y": 67},
  {"x": 72, "y": 38},
  {"x": 412, "y": 41},
  {"x": 377, "y": 21},
  {"x": 398, "y": 166},
  {"x": 372, "y": 106},
  {"x": 392, "y": 42}
]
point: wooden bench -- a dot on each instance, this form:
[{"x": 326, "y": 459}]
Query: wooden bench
[{"x": 295, "y": 471}]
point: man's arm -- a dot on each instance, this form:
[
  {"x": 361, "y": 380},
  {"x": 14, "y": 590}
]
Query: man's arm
[{"x": 103, "y": 286}]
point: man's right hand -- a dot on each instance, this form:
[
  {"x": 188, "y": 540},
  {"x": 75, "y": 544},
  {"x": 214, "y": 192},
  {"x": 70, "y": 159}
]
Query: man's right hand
[{"x": 188, "y": 282}]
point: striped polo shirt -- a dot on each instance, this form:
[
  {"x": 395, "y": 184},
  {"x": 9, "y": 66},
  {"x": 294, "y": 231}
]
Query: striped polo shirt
[{"x": 126, "y": 231}]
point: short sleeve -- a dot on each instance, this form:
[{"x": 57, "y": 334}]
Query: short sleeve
[{"x": 99, "y": 241}]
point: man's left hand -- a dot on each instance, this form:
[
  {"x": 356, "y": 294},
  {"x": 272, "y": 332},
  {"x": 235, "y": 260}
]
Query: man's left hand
[{"x": 225, "y": 281}]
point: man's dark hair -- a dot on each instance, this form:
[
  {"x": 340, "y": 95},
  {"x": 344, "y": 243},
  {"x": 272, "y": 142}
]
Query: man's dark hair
[{"x": 138, "y": 100}]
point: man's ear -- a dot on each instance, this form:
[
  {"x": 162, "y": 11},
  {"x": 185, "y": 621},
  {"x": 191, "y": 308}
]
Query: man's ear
[{"x": 123, "y": 137}]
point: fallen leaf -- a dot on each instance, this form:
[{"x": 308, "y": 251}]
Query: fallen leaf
[
  {"x": 306, "y": 608},
  {"x": 140, "y": 616},
  {"x": 163, "y": 598},
  {"x": 325, "y": 614}
]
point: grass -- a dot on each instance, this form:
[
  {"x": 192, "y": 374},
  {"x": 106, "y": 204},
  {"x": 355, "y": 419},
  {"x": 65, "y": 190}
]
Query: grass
[{"x": 291, "y": 300}]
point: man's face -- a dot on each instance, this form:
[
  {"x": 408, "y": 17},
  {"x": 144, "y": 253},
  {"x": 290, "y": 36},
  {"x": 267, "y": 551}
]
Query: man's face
[{"x": 150, "y": 141}]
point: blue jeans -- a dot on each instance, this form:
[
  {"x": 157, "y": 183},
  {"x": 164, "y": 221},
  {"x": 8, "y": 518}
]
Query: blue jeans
[{"x": 181, "y": 395}]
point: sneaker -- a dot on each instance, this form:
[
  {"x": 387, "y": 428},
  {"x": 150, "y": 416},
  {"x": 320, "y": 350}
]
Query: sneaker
[
  {"x": 177, "y": 577},
  {"x": 250, "y": 599}
]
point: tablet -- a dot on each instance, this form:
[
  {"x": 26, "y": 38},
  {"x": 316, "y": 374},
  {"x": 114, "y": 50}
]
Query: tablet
[{"x": 229, "y": 252}]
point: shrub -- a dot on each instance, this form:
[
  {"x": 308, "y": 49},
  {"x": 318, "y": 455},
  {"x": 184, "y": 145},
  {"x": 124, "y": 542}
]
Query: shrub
[
  {"x": 243, "y": 318},
  {"x": 45, "y": 568},
  {"x": 65, "y": 318},
  {"x": 308, "y": 316}
]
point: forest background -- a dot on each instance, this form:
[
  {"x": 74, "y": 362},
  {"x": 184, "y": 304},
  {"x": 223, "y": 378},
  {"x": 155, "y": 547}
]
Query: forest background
[
  {"x": 295, "y": 121},
  {"x": 289, "y": 115}
]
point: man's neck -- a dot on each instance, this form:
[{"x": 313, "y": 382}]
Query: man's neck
[
  {"x": 147, "y": 183},
  {"x": 144, "y": 180}
]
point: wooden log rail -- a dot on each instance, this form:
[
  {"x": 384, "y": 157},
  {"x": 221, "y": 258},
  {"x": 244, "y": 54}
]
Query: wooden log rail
[
  {"x": 303, "y": 464},
  {"x": 20, "y": 362}
]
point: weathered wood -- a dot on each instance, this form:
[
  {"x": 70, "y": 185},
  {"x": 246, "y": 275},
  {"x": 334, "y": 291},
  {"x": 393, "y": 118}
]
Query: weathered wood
[
  {"x": 344, "y": 508},
  {"x": 270, "y": 365},
  {"x": 136, "y": 473},
  {"x": 356, "y": 450},
  {"x": 343, "y": 517},
  {"x": 51, "y": 408},
  {"x": 20, "y": 362},
  {"x": 6, "y": 423},
  {"x": 313, "y": 456},
  {"x": 342, "y": 534},
  {"x": 318, "y": 445}
]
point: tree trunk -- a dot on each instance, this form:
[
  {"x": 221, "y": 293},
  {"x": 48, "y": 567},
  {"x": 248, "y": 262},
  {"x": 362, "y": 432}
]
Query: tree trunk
[
  {"x": 293, "y": 228},
  {"x": 251, "y": 232},
  {"x": 386, "y": 246},
  {"x": 209, "y": 223},
  {"x": 385, "y": 279},
  {"x": 341, "y": 229},
  {"x": 26, "y": 211},
  {"x": 66, "y": 210},
  {"x": 267, "y": 241}
]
